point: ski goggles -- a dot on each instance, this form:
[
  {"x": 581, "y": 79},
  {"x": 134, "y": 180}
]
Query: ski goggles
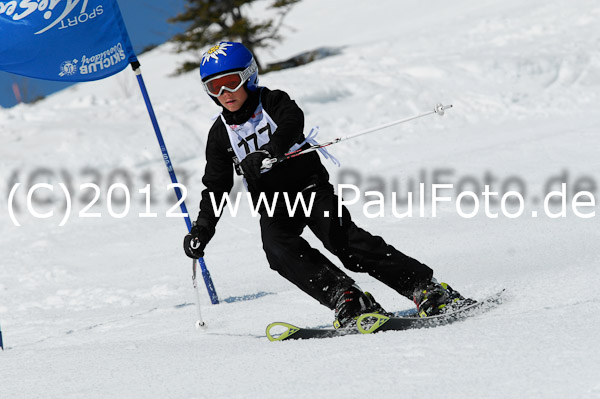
[{"x": 231, "y": 81}]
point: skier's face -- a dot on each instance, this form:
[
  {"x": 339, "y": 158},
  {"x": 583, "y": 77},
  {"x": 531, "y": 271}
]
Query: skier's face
[{"x": 233, "y": 101}]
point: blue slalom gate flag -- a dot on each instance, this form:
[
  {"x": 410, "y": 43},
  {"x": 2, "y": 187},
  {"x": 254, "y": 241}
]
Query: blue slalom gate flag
[
  {"x": 63, "y": 40},
  {"x": 77, "y": 41}
]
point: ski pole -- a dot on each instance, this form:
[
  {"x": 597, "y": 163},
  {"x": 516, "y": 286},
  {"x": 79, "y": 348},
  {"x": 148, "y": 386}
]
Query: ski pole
[
  {"x": 1, "y": 343},
  {"x": 200, "y": 324},
  {"x": 269, "y": 162}
]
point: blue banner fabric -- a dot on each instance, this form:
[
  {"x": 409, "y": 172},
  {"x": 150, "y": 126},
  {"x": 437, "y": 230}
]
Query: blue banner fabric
[{"x": 63, "y": 40}]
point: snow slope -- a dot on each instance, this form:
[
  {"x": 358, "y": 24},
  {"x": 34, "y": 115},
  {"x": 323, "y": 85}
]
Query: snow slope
[{"x": 104, "y": 307}]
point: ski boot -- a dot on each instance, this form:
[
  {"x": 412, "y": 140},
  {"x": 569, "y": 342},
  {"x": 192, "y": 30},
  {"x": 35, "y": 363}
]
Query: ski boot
[
  {"x": 351, "y": 304},
  {"x": 434, "y": 298}
]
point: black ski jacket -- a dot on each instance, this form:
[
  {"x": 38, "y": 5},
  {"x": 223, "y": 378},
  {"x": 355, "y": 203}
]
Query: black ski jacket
[{"x": 292, "y": 176}]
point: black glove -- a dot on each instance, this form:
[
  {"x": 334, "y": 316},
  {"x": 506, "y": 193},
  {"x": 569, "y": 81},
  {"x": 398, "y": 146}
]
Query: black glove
[
  {"x": 195, "y": 241},
  {"x": 252, "y": 163}
]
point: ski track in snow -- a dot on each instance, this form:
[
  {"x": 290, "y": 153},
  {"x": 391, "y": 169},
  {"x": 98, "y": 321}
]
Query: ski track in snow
[{"x": 105, "y": 308}]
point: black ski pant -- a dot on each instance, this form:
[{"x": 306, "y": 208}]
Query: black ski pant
[{"x": 359, "y": 251}]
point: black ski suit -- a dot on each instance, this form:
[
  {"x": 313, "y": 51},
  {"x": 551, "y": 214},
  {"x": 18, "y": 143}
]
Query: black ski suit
[{"x": 287, "y": 252}]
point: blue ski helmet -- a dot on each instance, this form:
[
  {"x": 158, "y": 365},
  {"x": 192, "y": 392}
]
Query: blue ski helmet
[{"x": 229, "y": 57}]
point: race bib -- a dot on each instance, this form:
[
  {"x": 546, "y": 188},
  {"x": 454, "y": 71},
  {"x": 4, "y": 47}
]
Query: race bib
[{"x": 253, "y": 134}]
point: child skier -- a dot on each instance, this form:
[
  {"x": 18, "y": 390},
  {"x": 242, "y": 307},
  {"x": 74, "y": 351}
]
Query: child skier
[{"x": 257, "y": 123}]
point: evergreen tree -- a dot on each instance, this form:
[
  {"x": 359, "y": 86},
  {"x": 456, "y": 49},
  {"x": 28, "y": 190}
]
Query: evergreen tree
[{"x": 211, "y": 21}]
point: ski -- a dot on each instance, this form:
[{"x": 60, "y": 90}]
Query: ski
[
  {"x": 370, "y": 323},
  {"x": 292, "y": 332}
]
